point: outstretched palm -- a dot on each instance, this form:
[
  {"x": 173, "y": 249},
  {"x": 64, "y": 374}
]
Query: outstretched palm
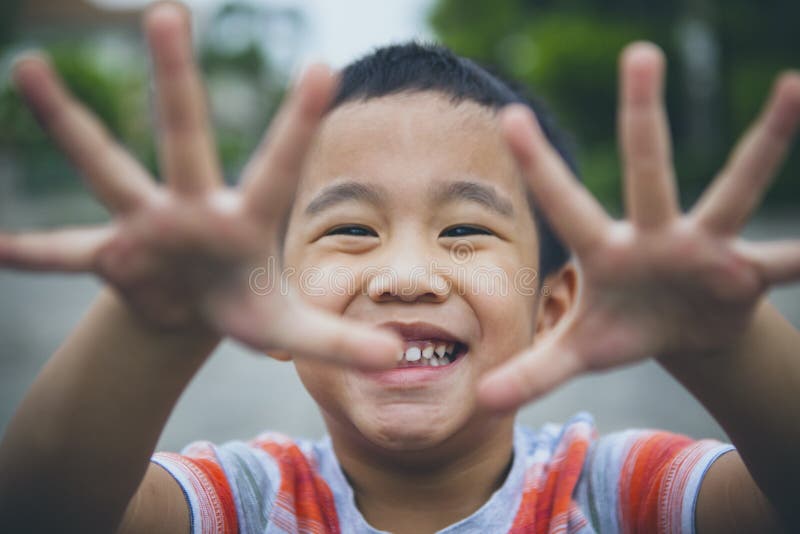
[
  {"x": 659, "y": 283},
  {"x": 176, "y": 253}
]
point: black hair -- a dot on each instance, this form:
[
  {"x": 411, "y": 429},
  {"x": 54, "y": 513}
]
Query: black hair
[{"x": 417, "y": 67}]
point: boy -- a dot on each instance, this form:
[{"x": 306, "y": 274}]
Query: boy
[{"x": 409, "y": 187}]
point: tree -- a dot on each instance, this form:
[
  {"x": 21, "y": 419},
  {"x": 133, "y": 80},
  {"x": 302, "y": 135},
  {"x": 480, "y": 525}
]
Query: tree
[{"x": 722, "y": 60}]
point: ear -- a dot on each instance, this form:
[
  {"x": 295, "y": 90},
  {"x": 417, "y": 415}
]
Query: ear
[
  {"x": 280, "y": 355},
  {"x": 556, "y": 297}
]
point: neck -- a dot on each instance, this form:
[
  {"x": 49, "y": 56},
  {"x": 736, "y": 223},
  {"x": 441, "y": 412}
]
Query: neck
[{"x": 425, "y": 490}]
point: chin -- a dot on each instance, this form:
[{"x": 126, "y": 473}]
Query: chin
[{"x": 408, "y": 427}]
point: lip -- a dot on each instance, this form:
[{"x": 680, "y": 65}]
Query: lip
[
  {"x": 419, "y": 330},
  {"x": 411, "y": 377}
]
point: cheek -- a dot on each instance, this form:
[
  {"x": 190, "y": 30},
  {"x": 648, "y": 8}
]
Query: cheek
[
  {"x": 507, "y": 323},
  {"x": 326, "y": 286},
  {"x": 504, "y": 298},
  {"x": 323, "y": 382}
]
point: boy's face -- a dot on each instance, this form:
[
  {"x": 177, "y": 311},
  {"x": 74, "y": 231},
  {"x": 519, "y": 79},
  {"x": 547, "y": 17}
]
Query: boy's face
[{"x": 412, "y": 212}]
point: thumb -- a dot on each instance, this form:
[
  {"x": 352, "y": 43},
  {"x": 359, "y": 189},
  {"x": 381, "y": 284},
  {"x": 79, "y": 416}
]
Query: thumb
[{"x": 528, "y": 375}]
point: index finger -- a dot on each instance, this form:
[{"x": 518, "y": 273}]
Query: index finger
[
  {"x": 736, "y": 192},
  {"x": 271, "y": 177},
  {"x": 570, "y": 208}
]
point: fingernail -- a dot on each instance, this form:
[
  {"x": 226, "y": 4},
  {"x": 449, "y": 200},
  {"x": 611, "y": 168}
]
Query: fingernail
[
  {"x": 33, "y": 85},
  {"x": 642, "y": 52},
  {"x": 19, "y": 62},
  {"x": 169, "y": 8},
  {"x": 518, "y": 119},
  {"x": 301, "y": 71},
  {"x": 296, "y": 76}
]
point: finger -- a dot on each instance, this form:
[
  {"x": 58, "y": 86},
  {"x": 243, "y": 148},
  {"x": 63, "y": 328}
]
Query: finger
[
  {"x": 188, "y": 153},
  {"x": 304, "y": 331},
  {"x": 777, "y": 261},
  {"x": 115, "y": 178},
  {"x": 72, "y": 250},
  {"x": 569, "y": 207},
  {"x": 271, "y": 177},
  {"x": 650, "y": 190},
  {"x": 727, "y": 203},
  {"x": 527, "y": 377},
  {"x": 335, "y": 339}
]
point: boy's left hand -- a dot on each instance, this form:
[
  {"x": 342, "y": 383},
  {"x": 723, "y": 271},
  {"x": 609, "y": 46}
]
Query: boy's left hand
[{"x": 660, "y": 283}]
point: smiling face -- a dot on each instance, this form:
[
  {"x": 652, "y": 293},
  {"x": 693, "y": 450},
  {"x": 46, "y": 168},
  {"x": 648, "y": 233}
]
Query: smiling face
[{"x": 412, "y": 214}]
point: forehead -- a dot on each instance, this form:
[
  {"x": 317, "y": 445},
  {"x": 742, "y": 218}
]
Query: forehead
[{"x": 408, "y": 141}]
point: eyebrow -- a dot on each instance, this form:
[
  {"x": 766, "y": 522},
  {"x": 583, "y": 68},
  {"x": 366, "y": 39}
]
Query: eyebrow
[
  {"x": 474, "y": 192},
  {"x": 343, "y": 192},
  {"x": 468, "y": 190}
]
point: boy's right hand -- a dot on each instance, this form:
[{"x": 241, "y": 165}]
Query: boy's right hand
[{"x": 178, "y": 253}]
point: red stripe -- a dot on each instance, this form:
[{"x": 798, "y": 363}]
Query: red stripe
[
  {"x": 221, "y": 490},
  {"x": 644, "y": 470},
  {"x": 547, "y": 504},
  {"x": 314, "y": 506}
]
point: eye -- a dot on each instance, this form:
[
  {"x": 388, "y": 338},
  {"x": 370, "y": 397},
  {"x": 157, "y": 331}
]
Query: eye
[
  {"x": 352, "y": 230},
  {"x": 464, "y": 230}
]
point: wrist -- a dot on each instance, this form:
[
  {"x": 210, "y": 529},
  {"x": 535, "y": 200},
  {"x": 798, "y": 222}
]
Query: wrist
[{"x": 190, "y": 340}]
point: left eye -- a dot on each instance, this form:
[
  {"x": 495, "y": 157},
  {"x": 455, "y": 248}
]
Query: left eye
[
  {"x": 464, "y": 230},
  {"x": 352, "y": 230}
]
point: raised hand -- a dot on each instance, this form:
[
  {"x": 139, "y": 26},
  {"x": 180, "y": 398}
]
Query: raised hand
[
  {"x": 660, "y": 283},
  {"x": 179, "y": 254}
]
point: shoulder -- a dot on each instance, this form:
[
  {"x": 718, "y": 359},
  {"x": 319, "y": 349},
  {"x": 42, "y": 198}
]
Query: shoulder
[
  {"x": 554, "y": 457},
  {"x": 652, "y": 478},
  {"x": 551, "y": 440},
  {"x": 632, "y": 450},
  {"x": 641, "y": 477},
  {"x": 265, "y": 480},
  {"x": 649, "y": 478}
]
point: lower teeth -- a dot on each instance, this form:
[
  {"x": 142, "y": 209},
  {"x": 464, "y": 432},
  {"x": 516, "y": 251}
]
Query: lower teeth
[{"x": 424, "y": 362}]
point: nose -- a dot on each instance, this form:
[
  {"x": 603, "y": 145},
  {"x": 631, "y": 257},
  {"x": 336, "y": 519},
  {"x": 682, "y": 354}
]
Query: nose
[{"x": 412, "y": 278}]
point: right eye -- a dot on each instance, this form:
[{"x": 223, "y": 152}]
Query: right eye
[{"x": 352, "y": 230}]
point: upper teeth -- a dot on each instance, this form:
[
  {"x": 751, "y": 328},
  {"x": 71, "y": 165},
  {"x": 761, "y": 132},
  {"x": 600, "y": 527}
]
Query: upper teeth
[{"x": 429, "y": 353}]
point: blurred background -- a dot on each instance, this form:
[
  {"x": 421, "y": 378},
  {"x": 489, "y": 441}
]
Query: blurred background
[{"x": 723, "y": 57}]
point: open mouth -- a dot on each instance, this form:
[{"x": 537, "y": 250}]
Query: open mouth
[
  {"x": 426, "y": 345},
  {"x": 430, "y": 353}
]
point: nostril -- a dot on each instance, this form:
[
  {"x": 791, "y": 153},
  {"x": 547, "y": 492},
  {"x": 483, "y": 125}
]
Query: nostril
[
  {"x": 413, "y": 286},
  {"x": 412, "y": 296}
]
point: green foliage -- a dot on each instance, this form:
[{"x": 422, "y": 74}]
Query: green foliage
[
  {"x": 575, "y": 63},
  {"x": 567, "y": 51},
  {"x": 9, "y": 10},
  {"x": 103, "y": 92},
  {"x": 249, "y": 60},
  {"x": 118, "y": 93}
]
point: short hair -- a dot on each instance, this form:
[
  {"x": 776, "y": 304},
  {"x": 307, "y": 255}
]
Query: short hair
[{"x": 419, "y": 67}]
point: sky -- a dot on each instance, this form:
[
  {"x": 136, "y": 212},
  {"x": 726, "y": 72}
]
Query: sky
[{"x": 340, "y": 30}]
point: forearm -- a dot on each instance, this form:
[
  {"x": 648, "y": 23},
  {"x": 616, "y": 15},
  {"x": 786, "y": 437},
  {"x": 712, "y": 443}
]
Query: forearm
[
  {"x": 82, "y": 437},
  {"x": 753, "y": 391}
]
